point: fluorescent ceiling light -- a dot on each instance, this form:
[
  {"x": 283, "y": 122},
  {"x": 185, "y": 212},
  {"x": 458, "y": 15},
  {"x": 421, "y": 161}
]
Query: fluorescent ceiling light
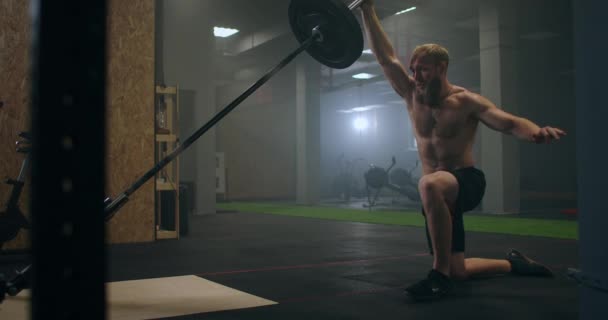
[
  {"x": 406, "y": 10},
  {"x": 367, "y": 51},
  {"x": 223, "y": 32},
  {"x": 364, "y": 76},
  {"x": 360, "y": 123},
  {"x": 362, "y": 108}
]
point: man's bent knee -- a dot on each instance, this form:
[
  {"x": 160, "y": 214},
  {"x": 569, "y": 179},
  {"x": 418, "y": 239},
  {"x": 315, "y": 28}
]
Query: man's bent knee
[{"x": 440, "y": 185}]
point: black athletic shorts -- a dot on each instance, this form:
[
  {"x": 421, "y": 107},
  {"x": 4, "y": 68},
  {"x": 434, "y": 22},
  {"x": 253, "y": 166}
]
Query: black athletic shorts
[{"x": 472, "y": 186}]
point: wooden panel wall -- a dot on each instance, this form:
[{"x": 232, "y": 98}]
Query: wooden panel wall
[
  {"x": 131, "y": 116},
  {"x": 130, "y": 107},
  {"x": 15, "y": 98}
]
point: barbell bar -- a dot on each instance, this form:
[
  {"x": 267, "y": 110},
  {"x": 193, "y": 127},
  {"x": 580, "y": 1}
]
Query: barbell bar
[{"x": 326, "y": 29}]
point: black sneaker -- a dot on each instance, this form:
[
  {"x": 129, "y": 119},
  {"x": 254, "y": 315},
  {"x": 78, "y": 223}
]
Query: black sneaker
[
  {"x": 434, "y": 286},
  {"x": 522, "y": 265}
]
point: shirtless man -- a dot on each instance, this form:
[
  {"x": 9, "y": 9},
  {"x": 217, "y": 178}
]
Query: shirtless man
[{"x": 445, "y": 118}]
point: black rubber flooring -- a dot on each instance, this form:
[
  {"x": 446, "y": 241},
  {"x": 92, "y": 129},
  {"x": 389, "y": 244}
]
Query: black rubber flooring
[{"x": 320, "y": 269}]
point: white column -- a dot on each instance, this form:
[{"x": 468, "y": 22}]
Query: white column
[{"x": 308, "y": 130}]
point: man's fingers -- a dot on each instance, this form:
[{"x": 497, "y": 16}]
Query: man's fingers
[
  {"x": 558, "y": 131},
  {"x": 553, "y": 133},
  {"x": 368, "y": 2},
  {"x": 547, "y": 134},
  {"x": 543, "y": 135}
]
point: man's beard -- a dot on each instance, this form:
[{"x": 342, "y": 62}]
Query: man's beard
[{"x": 431, "y": 94}]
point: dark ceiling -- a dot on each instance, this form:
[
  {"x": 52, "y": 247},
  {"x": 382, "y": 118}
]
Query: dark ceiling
[{"x": 452, "y": 23}]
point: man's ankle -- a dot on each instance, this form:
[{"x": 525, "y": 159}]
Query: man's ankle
[
  {"x": 445, "y": 273},
  {"x": 440, "y": 274}
]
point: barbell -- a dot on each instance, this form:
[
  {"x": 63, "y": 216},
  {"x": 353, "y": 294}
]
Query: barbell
[
  {"x": 338, "y": 37},
  {"x": 326, "y": 29}
]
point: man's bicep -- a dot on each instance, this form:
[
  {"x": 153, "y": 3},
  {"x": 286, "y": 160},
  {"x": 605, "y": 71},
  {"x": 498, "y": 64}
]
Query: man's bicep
[
  {"x": 398, "y": 77},
  {"x": 492, "y": 116}
]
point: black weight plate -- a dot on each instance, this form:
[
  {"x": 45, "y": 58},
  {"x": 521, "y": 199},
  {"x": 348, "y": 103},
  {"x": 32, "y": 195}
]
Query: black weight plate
[{"x": 342, "y": 42}]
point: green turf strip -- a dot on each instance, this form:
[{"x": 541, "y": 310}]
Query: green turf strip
[{"x": 562, "y": 229}]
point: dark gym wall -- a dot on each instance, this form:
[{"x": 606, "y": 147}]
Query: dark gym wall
[
  {"x": 258, "y": 138},
  {"x": 589, "y": 24},
  {"x": 546, "y": 96},
  {"x": 130, "y": 109}
]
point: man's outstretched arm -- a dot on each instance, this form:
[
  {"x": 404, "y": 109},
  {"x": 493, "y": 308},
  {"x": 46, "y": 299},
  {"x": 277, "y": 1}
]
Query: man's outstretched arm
[
  {"x": 384, "y": 51},
  {"x": 502, "y": 121}
]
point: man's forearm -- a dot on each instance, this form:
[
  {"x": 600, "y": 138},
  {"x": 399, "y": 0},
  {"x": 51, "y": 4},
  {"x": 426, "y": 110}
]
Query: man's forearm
[
  {"x": 523, "y": 129},
  {"x": 378, "y": 39}
]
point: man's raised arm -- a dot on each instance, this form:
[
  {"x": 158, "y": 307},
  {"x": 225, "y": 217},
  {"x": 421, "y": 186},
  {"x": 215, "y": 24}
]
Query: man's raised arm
[{"x": 384, "y": 51}]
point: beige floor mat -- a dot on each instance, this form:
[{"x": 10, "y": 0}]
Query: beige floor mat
[{"x": 155, "y": 298}]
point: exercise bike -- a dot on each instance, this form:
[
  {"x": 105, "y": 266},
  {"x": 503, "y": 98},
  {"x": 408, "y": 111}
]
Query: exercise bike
[
  {"x": 12, "y": 219},
  {"x": 401, "y": 181}
]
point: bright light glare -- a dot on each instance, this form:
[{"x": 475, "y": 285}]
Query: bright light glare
[
  {"x": 224, "y": 32},
  {"x": 406, "y": 10},
  {"x": 364, "y": 76},
  {"x": 360, "y": 123},
  {"x": 368, "y": 51}
]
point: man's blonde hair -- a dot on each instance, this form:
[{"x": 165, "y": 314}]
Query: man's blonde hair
[{"x": 435, "y": 52}]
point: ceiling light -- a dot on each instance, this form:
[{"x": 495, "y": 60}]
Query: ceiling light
[
  {"x": 367, "y": 51},
  {"x": 360, "y": 109},
  {"x": 364, "y": 76},
  {"x": 223, "y": 32},
  {"x": 406, "y": 10},
  {"x": 360, "y": 123}
]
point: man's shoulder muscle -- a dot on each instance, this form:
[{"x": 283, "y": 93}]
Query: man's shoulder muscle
[{"x": 467, "y": 100}]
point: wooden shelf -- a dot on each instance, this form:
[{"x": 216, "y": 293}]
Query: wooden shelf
[
  {"x": 165, "y": 186},
  {"x": 166, "y": 234},
  {"x": 166, "y": 90},
  {"x": 166, "y": 138}
]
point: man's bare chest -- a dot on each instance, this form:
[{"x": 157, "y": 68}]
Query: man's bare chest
[{"x": 443, "y": 122}]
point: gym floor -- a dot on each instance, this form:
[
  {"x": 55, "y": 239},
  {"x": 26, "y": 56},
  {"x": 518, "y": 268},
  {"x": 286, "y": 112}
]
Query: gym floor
[{"x": 324, "y": 269}]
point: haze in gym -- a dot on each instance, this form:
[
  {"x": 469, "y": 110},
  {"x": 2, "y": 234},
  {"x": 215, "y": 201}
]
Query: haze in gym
[{"x": 276, "y": 186}]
